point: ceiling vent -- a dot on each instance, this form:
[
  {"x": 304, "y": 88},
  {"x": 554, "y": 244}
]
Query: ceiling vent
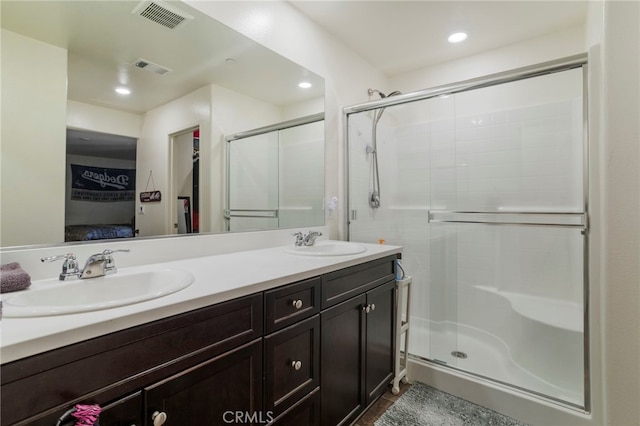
[
  {"x": 143, "y": 64},
  {"x": 162, "y": 13}
]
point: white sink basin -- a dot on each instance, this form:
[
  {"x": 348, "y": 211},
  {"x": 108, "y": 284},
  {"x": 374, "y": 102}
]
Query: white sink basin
[
  {"x": 53, "y": 297},
  {"x": 327, "y": 248}
]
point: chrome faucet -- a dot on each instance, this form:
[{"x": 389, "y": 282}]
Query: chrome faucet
[
  {"x": 97, "y": 265},
  {"x": 306, "y": 240}
]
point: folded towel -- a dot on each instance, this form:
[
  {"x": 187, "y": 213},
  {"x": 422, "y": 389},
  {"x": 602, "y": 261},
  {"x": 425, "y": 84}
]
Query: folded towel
[{"x": 13, "y": 278}]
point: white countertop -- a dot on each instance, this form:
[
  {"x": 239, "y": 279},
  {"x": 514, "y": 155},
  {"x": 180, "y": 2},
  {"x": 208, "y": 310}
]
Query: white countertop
[{"x": 217, "y": 279}]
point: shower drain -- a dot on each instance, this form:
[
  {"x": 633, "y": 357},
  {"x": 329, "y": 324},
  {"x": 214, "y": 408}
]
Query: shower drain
[{"x": 458, "y": 354}]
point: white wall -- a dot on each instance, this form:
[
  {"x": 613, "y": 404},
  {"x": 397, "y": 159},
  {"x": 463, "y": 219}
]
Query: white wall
[
  {"x": 541, "y": 49},
  {"x": 33, "y": 141},
  {"x": 104, "y": 120},
  {"x": 153, "y": 158}
]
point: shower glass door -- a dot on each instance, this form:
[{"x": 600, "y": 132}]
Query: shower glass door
[
  {"x": 253, "y": 180},
  {"x": 511, "y": 235},
  {"x": 485, "y": 190},
  {"x": 407, "y": 134}
]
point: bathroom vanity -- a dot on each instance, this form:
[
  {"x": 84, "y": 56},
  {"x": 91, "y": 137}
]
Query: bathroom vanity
[{"x": 309, "y": 343}]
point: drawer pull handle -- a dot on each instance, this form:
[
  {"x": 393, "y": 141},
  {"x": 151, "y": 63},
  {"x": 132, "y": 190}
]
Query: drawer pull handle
[
  {"x": 297, "y": 303},
  {"x": 158, "y": 418},
  {"x": 297, "y": 365}
]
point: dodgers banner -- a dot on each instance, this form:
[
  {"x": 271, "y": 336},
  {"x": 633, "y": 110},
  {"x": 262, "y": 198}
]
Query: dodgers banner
[{"x": 102, "y": 184}]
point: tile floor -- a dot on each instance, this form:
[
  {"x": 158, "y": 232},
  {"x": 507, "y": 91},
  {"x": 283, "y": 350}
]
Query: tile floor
[{"x": 380, "y": 406}]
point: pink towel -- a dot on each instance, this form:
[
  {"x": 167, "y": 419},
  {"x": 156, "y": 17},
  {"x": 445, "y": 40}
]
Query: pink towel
[{"x": 13, "y": 278}]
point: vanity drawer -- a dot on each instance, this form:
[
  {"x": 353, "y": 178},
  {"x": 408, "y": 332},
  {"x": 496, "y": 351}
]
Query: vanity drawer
[
  {"x": 292, "y": 364},
  {"x": 341, "y": 285},
  {"x": 291, "y": 303}
]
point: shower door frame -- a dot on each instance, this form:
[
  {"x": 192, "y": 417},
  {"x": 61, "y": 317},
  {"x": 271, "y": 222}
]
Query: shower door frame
[{"x": 558, "y": 65}]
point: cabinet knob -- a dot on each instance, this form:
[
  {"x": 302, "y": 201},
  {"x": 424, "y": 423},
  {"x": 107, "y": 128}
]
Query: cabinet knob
[
  {"x": 297, "y": 303},
  {"x": 373, "y": 306},
  {"x": 366, "y": 308},
  {"x": 297, "y": 365},
  {"x": 158, "y": 418}
]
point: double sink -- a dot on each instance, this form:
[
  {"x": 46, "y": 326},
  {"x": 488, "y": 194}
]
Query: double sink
[{"x": 53, "y": 297}]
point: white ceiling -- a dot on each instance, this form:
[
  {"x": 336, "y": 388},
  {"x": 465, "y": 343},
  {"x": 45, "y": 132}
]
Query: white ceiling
[
  {"x": 104, "y": 39},
  {"x": 397, "y": 36}
]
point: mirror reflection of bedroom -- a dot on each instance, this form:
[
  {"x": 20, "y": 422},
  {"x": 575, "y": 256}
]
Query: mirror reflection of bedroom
[{"x": 100, "y": 186}]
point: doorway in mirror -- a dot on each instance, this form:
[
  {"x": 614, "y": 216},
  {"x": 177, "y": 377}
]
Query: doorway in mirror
[{"x": 100, "y": 186}]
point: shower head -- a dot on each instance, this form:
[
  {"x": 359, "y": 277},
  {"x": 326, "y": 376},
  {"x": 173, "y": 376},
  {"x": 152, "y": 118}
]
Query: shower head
[{"x": 382, "y": 95}]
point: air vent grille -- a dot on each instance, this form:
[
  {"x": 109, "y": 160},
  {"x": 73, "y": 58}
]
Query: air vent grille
[
  {"x": 163, "y": 14},
  {"x": 143, "y": 64}
]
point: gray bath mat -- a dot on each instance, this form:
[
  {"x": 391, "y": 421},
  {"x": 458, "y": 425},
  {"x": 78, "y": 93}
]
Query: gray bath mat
[{"x": 422, "y": 405}]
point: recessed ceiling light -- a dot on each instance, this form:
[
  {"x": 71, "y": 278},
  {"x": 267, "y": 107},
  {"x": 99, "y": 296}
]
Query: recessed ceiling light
[
  {"x": 457, "y": 37},
  {"x": 304, "y": 85},
  {"x": 123, "y": 91}
]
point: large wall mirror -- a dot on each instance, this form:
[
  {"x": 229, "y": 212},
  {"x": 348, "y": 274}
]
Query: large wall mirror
[{"x": 116, "y": 115}]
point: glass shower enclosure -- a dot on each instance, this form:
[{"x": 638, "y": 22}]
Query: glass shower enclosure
[
  {"x": 275, "y": 176},
  {"x": 484, "y": 183}
]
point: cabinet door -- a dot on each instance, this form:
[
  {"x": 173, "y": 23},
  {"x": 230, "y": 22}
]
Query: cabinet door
[
  {"x": 380, "y": 339},
  {"x": 124, "y": 412},
  {"x": 226, "y": 389},
  {"x": 304, "y": 413},
  {"x": 342, "y": 331}
]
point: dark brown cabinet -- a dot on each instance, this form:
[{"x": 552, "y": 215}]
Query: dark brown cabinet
[
  {"x": 380, "y": 340},
  {"x": 357, "y": 353},
  {"x": 342, "y": 355},
  {"x": 226, "y": 389},
  {"x": 318, "y": 351},
  {"x": 123, "y": 412},
  {"x": 37, "y": 390},
  {"x": 304, "y": 413}
]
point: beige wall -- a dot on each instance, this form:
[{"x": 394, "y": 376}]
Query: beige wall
[
  {"x": 33, "y": 141},
  {"x": 620, "y": 249}
]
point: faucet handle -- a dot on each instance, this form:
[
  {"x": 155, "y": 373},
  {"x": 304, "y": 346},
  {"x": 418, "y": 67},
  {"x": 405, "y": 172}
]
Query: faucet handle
[
  {"x": 108, "y": 252},
  {"x": 109, "y": 266},
  {"x": 68, "y": 256},
  {"x": 299, "y": 238},
  {"x": 69, "y": 267}
]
